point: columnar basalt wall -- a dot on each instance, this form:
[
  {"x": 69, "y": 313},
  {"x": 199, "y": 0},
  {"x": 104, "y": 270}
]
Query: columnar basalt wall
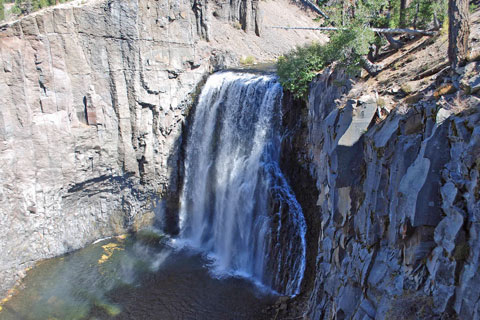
[
  {"x": 399, "y": 206},
  {"x": 93, "y": 98}
]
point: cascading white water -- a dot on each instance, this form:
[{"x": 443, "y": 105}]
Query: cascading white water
[{"x": 236, "y": 204}]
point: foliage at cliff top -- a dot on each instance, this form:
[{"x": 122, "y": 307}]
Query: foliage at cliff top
[
  {"x": 351, "y": 43},
  {"x": 298, "y": 68},
  {"x": 25, "y": 6},
  {"x": 2, "y": 10}
]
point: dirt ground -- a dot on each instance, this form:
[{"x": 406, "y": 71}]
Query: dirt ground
[
  {"x": 273, "y": 42},
  {"x": 417, "y": 71}
]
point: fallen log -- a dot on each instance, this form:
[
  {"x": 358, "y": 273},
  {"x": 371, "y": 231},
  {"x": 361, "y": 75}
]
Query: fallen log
[
  {"x": 395, "y": 44},
  {"x": 430, "y": 72},
  {"x": 372, "y": 68},
  {"x": 379, "y": 30}
]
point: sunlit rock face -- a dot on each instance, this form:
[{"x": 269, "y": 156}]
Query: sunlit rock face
[
  {"x": 92, "y": 101},
  {"x": 93, "y": 98},
  {"x": 399, "y": 205}
]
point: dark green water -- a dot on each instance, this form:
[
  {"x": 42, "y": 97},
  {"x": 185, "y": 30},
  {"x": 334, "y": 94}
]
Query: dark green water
[{"x": 133, "y": 278}]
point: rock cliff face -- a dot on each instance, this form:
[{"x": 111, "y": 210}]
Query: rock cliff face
[
  {"x": 93, "y": 98},
  {"x": 399, "y": 207}
]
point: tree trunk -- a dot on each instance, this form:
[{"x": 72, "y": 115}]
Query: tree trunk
[
  {"x": 436, "y": 23},
  {"x": 404, "y": 4},
  {"x": 372, "y": 52},
  {"x": 28, "y": 6},
  {"x": 458, "y": 31},
  {"x": 415, "y": 20},
  {"x": 403, "y": 7},
  {"x": 315, "y": 8},
  {"x": 372, "y": 68},
  {"x": 395, "y": 44}
]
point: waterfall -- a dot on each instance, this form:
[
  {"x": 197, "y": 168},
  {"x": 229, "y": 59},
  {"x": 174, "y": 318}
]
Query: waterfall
[{"x": 236, "y": 204}]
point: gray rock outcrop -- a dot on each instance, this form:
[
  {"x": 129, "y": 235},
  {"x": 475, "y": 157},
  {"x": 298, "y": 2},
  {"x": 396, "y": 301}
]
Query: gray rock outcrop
[
  {"x": 399, "y": 204},
  {"x": 93, "y": 98}
]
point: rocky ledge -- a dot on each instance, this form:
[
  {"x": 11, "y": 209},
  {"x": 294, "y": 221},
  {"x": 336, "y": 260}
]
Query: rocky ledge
[{"x": 399, "y": 203}]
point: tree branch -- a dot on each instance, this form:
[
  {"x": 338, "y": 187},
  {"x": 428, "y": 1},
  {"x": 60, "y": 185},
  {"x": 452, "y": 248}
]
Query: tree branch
[
  {"x": 432, "y": 71},
  {"x": 379, "y": 30},
  {"x": 315, "y": 8}
]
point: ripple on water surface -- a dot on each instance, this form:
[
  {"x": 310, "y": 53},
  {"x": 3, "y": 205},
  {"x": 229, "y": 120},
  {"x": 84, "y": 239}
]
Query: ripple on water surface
[{"x": 127, "y": 278}]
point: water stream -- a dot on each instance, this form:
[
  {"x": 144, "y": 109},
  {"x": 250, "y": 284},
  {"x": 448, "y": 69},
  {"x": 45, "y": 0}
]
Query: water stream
[{"x": 236, "y": 203}]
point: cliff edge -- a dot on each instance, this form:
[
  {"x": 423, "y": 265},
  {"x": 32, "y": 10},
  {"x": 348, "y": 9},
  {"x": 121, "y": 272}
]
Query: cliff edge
[{"x": 396, "y": 160}]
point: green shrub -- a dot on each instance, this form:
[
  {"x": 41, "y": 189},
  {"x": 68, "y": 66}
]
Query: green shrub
[
  {"x": 16, "y": 10},
  {"x": 297, "y": 68},
  {"x": 381, "y": 102},
  {"x": 2, "y": 10},
  {"x": 473, "y": 7},
  {"x": 406, "y": 88},
  {"x": 28, "y": 6},
  {"x": 247, "y": 61}
]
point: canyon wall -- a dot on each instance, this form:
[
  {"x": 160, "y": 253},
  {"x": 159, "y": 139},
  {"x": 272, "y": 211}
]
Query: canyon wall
[
  {"x": 94, "y": 95},
  {"x": 399, "y": 206}
]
